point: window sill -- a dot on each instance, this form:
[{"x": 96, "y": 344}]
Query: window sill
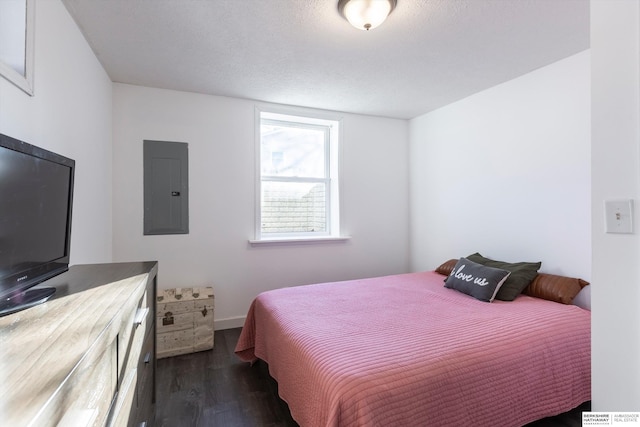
[{"x": 300, "y": 240}]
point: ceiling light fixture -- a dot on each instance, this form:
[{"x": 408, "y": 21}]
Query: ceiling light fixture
[{"x": 366, "y": 14}]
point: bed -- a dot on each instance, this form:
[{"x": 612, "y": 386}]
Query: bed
[{"x": 406, "y": 350}]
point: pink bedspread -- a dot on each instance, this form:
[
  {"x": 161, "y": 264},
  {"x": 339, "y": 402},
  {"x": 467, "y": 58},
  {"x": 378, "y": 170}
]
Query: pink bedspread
[{"x": 404, "y": 350}]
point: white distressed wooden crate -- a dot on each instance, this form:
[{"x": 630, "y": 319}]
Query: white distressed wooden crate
[{"x": 184, "y": 321}]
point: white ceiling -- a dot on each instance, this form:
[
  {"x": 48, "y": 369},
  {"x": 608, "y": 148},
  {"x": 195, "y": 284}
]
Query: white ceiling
[{"x": 427, "y": 54}]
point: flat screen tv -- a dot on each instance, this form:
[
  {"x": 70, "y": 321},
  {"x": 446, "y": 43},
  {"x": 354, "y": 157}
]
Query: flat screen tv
[{"x": 36, "y": 197}]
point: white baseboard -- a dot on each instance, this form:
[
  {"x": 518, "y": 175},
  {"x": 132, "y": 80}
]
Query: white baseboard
[{"x": 229, "y": 323}]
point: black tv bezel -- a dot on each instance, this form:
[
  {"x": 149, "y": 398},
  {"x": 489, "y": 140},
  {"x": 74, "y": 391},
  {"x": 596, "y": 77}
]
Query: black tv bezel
[{"x": 18, "y": 282}]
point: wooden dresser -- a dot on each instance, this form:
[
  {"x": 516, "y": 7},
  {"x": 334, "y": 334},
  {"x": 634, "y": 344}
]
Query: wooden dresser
[{"x": 87, "y": 356}]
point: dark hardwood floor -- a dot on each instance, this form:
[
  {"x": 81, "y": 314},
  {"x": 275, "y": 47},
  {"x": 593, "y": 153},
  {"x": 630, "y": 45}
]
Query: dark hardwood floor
[{"x": 214, "y": 388}]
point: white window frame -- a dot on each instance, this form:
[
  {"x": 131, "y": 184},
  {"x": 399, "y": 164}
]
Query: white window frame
[{"x": 305, "y": 119}]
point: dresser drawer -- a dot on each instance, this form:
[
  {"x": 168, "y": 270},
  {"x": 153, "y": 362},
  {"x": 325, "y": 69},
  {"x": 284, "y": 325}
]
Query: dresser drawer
[
  {"x": 137, "y": 321},
  {"x": 91, "y": 390},
  {"x": 146, "y": 378},
  {"x": 146, "y": 393},
  {"x": 136, "y": 324},
  {"x": 123, "y": 410}
]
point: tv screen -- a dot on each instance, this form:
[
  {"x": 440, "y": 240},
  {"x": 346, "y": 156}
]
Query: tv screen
[{"x": 36, "y": 192}]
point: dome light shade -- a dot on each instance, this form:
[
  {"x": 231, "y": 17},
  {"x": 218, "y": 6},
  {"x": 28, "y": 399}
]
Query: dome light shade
[{"x": 366, "y": 14}]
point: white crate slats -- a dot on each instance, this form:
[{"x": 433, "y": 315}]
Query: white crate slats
[{"x": 184, "y": 321}]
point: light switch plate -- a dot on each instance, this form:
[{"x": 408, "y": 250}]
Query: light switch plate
[{"x": 618, "y": 216}]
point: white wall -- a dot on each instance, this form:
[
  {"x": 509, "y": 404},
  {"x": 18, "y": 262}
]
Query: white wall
[
  {"x": 615, "y": 49},
  {"x": 220, "y": 134},
  {"x": 506, "y": 172},
  {"x": 70, "y": 113}
]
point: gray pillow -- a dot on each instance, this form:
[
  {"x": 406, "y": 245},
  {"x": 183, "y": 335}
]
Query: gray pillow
[
  {"x": 477, "y": 280},
  {"x": 522, "y": 274}
]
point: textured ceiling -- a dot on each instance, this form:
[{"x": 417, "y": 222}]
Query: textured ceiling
[{"x": 427, "y": 54}]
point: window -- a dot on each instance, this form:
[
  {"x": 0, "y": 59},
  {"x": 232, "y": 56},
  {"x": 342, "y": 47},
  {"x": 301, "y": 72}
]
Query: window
[{"x": 297, "y": 195}]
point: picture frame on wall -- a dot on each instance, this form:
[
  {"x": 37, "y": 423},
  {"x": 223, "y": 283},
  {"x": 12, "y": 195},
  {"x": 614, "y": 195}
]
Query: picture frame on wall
[{"x": 17, "y": 19}]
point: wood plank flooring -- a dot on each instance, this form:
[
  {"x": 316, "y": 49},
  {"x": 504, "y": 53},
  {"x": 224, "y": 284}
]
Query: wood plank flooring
[{"x": 214, "y": 388}]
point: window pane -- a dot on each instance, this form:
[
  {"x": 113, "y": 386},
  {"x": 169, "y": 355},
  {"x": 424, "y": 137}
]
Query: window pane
[
  {"x": 293, "y": 207},
  {"x": 288, "y": 151}
]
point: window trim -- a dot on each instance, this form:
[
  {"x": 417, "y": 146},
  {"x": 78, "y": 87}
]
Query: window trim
[{"x": 333, "y": 148}]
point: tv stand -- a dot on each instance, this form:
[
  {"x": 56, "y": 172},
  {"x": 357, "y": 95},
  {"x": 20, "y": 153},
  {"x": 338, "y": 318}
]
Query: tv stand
[
  {"x": 87, "y": 356},
  {"x": 25, "y": 299}
]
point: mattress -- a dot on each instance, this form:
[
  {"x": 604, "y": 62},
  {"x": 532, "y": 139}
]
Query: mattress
[{"x": 405, "y": 350}]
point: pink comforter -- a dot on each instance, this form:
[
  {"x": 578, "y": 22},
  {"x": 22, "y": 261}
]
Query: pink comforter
[{"x": 404, "y": 350}]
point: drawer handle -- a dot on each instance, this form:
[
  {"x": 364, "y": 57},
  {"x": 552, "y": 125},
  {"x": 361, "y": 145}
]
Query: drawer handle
[
  {"x": 141, "y": 314},
  {"x": 147, "y": 358},
  {"x": 143, "y": 424}
]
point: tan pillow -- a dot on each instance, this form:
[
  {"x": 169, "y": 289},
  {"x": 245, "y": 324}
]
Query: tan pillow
[
  {"x": 447, "y": 267},
  {"x": 555, "y": 288}
]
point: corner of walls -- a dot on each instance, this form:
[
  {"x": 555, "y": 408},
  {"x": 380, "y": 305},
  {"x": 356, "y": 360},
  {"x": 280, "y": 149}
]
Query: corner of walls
[
  {"x": 506, "y": 172},
  {"x": 221, "y": 136},
  {"x": 70, "y": 113}
]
